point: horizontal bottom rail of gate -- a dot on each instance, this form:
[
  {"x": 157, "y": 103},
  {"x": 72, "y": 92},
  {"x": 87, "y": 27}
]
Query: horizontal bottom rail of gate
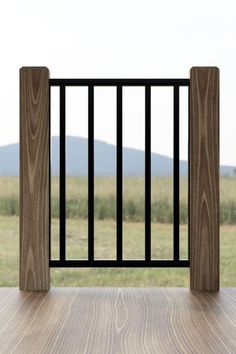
[{"x": 119, "y": 264}]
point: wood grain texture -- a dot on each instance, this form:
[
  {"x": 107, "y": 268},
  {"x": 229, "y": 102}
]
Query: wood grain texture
[
  {"x": 204, "y": 178},
  {"x": 117, "y": 320},
  {"x": 34, "y": 179}
]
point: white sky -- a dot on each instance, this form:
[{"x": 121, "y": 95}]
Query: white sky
[{"x": 124, "y": 38}]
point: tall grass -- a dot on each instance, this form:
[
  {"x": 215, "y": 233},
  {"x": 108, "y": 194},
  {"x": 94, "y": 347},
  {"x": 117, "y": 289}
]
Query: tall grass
[{"x": 133, "y": 198}]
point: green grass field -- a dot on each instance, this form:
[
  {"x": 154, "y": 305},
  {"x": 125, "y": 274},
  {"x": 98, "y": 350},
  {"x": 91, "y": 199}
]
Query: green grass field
[
  {"x": 105, "y": 232},
  {"x": 105, "y": 248},
  {"x": 133, "y": 206}
]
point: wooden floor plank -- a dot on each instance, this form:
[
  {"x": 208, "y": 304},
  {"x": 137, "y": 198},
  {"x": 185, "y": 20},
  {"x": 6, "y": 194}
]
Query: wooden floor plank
[{"x": 117, "y": 320}]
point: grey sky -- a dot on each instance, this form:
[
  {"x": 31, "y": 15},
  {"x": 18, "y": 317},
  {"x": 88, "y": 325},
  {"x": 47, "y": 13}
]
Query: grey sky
[{"x": 119, "y": 39}]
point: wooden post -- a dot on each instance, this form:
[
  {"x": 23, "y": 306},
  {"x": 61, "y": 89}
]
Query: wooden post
[
  {"x": 34, "y": 178},
  {"x": 204, "y": 179}
]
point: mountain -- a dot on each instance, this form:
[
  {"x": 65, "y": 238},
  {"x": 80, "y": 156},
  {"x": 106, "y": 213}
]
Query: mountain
[{"x": 105, "y": 160}]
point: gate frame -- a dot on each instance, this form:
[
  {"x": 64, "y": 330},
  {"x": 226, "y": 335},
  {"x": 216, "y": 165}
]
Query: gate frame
[{"x": 35, "y": 179}]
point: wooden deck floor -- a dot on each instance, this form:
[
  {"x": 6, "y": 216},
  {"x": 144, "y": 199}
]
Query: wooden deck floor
[{"x": 117, "y": 320}]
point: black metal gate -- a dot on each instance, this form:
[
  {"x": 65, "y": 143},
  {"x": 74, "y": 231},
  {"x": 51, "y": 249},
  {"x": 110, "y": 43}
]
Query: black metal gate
[{"x": 119, "y": 262}]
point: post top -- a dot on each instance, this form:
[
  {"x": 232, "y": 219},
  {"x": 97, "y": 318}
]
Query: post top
[
  {"x": 204, "y": 68},
  {"x": 33, "y": 68}
]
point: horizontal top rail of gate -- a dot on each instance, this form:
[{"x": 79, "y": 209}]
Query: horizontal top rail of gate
[
  {"x": 122, "y": 82},
  {"x": 119, "y": 261}
]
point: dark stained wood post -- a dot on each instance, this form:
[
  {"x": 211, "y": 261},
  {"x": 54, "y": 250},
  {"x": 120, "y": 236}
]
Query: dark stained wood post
[
  {"x": 34, "y": 179},
  {"x": 204, "y": 179}
]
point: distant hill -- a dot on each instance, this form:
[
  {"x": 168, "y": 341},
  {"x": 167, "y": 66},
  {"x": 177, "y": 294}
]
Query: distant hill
[{"x": 105, "y": 160}]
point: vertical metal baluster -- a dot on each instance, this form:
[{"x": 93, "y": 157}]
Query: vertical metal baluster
[
  {"x": 91, "y": 173},
  {"x": 119, "y": 177},
  {"x": 62, "y": 173},
  {"x": 176, "y": 174},
  {"x": 147, "y": 173}
]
